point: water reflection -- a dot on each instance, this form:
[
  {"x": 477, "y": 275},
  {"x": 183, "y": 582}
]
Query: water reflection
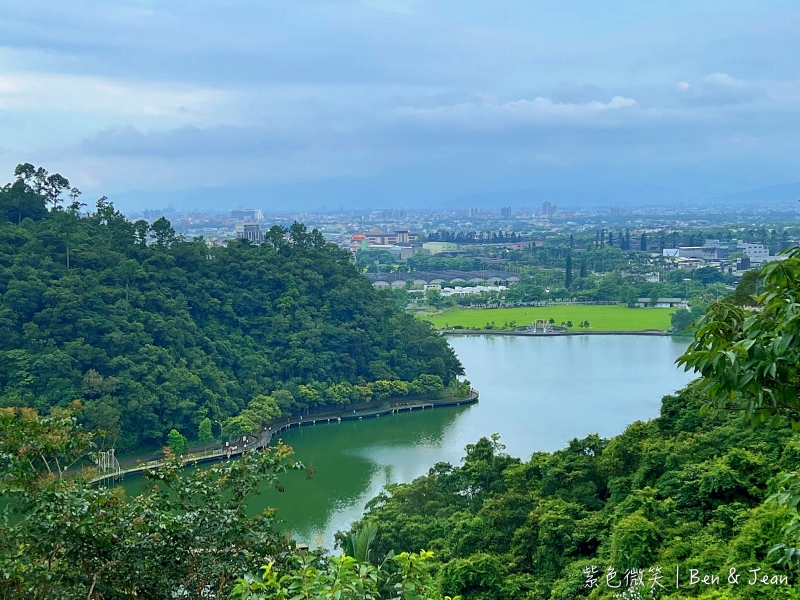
[{"x": 538, "y": 393}]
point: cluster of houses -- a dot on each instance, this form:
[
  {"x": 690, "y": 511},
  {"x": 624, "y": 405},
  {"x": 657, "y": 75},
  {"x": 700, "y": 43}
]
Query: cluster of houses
[
  {"x": 735, "y": 256},
  {"x": 447, "y": 281},
  {"x": 402, "y": 243}
]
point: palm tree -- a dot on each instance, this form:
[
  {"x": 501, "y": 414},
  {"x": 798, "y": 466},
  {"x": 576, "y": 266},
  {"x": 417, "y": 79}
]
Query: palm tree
[{"x": 358, "y": 545}]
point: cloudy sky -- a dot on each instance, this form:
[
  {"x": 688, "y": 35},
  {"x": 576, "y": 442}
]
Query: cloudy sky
[{"x": 401, "y": 102}]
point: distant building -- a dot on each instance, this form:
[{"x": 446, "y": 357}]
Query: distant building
[
  {"x": 392, "y": 214},
  {"x": 654, "y": 277},
  {"x": 757, "y": 253},
  {"x": 249, "y": 230},
  {"x": 380, "y": 238},
  {"x": 461, "y": 292},
  {"x": 701, "y": 252},
  {"x": 247, "y": 214},
  {"x": 662, "y": 303},
  {"x": 743, "y": 264},
  {"x": 715, "y": 250},
  {"x": 406, "y": 252},
  {"x": 548, "y": 210},
  {"x": 440, "y": 248},
  {"x": 505, "y": 212}
]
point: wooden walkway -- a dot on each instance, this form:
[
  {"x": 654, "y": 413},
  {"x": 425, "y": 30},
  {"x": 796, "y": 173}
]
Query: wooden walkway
[{"x": 254, "y": 443}]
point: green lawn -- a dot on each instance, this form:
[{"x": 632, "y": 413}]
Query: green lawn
[{"x": 601, "y": 318}]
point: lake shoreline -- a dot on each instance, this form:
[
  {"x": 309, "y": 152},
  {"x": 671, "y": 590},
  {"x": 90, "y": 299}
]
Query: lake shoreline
[
  {"x": 652, "y": 332},
  {"x": 395, "y": 405}
]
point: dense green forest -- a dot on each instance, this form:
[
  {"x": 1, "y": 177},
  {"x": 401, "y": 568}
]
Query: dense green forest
[
  {"x": 186, "y": 535},
  {"x": 154, "y": 332},
  {"x": 681, "y": 490},
  {"x": 711, "y": 484}
]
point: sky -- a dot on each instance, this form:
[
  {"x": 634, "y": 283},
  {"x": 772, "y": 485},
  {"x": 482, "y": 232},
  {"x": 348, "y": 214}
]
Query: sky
[{"x": 403, "y": 103}]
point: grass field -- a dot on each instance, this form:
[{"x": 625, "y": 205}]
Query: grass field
[{"x": 601, "y": 318}]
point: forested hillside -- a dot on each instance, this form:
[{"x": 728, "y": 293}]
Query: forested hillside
[
  {"x": 682, "y": 490},
  {"x": 153, "y": 332}
]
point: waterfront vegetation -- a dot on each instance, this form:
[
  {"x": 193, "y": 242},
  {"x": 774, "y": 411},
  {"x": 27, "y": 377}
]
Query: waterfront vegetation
[
  {"x": 599, "y": 317},
  {"x": 186, "y": 536},
  {"x": 684, "y": 489},
  {"x": 127, "y": 329},
  {"x": 711, "y": 484},
  {"x": 152, "y": 332}
]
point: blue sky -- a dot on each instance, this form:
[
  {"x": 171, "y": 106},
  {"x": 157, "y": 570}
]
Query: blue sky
[{"x": 402, "y": 102}]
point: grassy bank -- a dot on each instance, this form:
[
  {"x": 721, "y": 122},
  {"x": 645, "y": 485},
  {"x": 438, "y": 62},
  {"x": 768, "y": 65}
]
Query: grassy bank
[{"x": 601, "y": 318}]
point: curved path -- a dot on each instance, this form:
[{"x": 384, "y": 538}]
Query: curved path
[{"x": 266, "y": 436}]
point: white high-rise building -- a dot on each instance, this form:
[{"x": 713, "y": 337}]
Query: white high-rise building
[{"x": 249, "y": 230}]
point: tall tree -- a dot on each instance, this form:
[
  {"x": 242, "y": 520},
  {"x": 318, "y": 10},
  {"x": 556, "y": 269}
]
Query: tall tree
[
  {"x": 162, "y": 232},
  {"x": 568, "y": 273}
]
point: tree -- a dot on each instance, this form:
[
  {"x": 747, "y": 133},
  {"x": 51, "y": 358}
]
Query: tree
[
  {"x": 239, "y": 427},
  {"x": 747, "y": 289},
  {"x": 162, "y": 232},
  {"x": 184, "y": 330},
  {"x": 568, "y": 273},
  {"x": 141, "y": 229},
  {"x": 750, "y": 360},
  {"x": 681, "y": 320},
  {"x": 177, "y": 442},
  {"x": 204, "y": 431},
  {"x": 584, "y": 270},
  {"x": 708, "y": 275},
  {"x": 643, "y": 243},
  {"x": 185, "y": 534}
]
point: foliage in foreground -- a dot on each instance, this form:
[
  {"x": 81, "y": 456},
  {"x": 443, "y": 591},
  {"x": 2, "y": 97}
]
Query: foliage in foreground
[
  {"x": 63, "y": 538},
  {"x": 187, "y": 536},
  {"x": 749, "y": 359},
  {"x": 687, "y": 489},
  {"x": 406, "y": 576},
  {"x": 681, "y": 490}
]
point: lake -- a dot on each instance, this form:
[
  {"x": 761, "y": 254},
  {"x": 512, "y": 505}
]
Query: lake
[{"x": 537, "y": 393}]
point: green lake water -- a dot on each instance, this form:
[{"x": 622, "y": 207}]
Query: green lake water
[{"x": 537, "y": 393}]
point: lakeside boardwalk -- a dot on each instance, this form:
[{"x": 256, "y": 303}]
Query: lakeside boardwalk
[{"x": 279, "y": 427}]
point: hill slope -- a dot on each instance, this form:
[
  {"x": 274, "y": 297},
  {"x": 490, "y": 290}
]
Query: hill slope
[{"x": 153, "y": 332}]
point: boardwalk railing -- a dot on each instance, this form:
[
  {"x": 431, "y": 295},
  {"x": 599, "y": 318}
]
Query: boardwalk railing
[{"x": 263, "y": 440}]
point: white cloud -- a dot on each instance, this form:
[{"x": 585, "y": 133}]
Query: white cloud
[
  {"x": 682, "y": 85},
  {"x": 491, "y": 113},
  {"x": 32, "y": 91},
  {"x": 725, "y": 80}
]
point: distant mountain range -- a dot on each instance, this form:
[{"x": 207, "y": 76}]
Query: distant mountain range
[
  {"x": 774, "y": 194},
  {"x": 338, "y": 195}
]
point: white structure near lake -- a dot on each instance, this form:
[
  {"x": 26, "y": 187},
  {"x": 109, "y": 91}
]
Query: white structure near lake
[{"x": 459, "y": 291}]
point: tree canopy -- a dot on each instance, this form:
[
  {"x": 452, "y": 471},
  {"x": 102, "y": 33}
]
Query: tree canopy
[
  {"x": 749, "y": 358},
  {"x": 153, "y": 332},
  {"x": 683, "y": 490},
  {"x": 187, "y": 535}
]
